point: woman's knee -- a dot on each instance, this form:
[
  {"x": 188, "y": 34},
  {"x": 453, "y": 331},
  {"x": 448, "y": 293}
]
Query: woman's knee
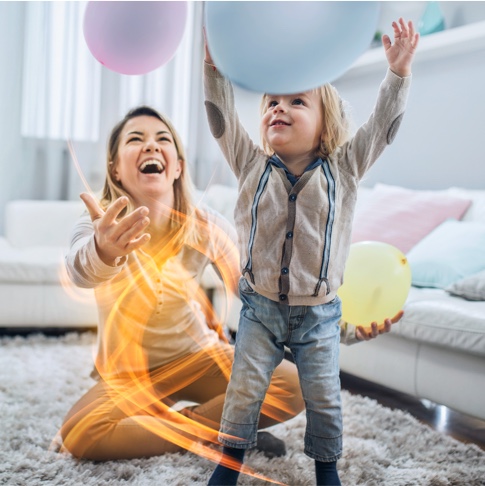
[
  {"x": 77, "y": 439},
  {"x": 84, "y": 430},
  {"x": 75, "y": 444}
]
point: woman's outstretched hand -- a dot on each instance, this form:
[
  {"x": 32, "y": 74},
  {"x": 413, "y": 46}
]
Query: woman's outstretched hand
[
  {"x": 400, "y": 54},
  {"x": 116, "y": 238},
  {"x": 365, "y": 334}
]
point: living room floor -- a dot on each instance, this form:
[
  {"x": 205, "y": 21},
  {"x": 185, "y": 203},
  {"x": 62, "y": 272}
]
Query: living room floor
[
  {"x": 443, "y": 419},
  {"x": 462, "y": 427}
]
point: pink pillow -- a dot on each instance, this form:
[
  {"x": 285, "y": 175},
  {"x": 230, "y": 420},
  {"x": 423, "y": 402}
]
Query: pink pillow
[{"x": 402, "y": 217}]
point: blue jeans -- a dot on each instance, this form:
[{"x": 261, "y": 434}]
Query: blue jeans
[{"x": 313, "y": 335}]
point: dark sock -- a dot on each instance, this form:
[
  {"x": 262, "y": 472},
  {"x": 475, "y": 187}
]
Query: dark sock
[
  {"x": 224, "y": 476},
  {"x": 327, "y": 474},
  {"x": 270, "y": 445}
]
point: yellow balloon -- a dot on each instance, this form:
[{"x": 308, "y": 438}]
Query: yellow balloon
[{"x": 377, "y": 280}]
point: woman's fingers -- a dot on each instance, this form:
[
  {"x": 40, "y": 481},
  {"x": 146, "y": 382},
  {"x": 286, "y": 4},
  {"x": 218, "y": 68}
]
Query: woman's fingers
[
  {"x": 92, "y": 206},
  {"x": 116, "y": 238},
  {"x": 114, "y": 210},
  {"x": 130, "y": 220},
  {"x": 133, "y": 232},
  {"x": 127, "y": 234},
  {"x": 137, "y": 242}
]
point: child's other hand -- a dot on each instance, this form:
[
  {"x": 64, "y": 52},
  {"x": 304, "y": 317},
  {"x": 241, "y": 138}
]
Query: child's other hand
[
  {"x": 208, "y": 57},
  {"x": 400, "y": 55},
  {"x": 365, "y": 334}
]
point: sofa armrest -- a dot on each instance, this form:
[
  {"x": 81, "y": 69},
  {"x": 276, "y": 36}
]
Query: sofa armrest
[
  {"x": 4, "y": 243},
  {"x": 41, "y": 223}
]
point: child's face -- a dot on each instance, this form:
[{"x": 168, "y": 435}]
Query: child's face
[
  {"x": 292, "y": 125},
  {"x": 147, "y": 162}
]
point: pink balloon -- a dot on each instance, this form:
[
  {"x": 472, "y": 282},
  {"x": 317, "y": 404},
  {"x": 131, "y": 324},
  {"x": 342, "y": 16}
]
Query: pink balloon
[{"x": 134, "y": 37}]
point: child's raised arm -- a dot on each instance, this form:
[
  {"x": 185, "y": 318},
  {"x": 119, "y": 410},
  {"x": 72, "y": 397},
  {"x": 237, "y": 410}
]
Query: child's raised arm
[
  {"x": 236, "y": 145},
  {"x": 400, "y": 55}
]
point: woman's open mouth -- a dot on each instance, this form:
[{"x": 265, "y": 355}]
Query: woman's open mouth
[{"x": 152, "y": 166}]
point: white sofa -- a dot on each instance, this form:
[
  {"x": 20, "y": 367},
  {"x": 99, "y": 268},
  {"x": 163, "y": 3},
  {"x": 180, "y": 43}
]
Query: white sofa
[
  {"x": 34, "y": 288},
  {"x": 436, "y": 352}
]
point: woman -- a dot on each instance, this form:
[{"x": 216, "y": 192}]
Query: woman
[{"x": 143, "y": 248}]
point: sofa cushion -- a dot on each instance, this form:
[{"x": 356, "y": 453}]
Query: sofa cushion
[
  {"x": 476, "y": 212},
  {"x": 402, "y": 217},
  {"x": 436, "y": 317},
  {"x": 470, "y": 288},
  {"x": 41, "y": 223},
  {"x": 449, "y": 253},
  {"x": 37, "y": 265}
]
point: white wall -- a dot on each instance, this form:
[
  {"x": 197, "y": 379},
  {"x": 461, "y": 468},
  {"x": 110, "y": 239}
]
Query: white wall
[{"x": 439, "y": 143}]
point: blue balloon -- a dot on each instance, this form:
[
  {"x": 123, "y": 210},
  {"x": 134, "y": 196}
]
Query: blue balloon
[{"x": 288, "y": 47}]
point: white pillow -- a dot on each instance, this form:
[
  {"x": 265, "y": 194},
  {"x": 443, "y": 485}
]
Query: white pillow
[{"x": 476, "y": 212}]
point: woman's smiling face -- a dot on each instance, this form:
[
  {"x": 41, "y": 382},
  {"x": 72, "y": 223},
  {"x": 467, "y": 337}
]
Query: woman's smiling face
[{"x": 147, "y": 162}]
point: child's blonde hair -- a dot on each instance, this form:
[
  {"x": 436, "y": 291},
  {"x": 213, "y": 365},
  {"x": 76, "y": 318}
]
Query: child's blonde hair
[
  {"x": 182, "y": 186},
  {"x": 336, "y": 126}
]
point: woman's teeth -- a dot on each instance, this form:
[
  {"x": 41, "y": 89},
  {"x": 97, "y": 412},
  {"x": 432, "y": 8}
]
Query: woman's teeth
[{"x": 152, "y": 167}]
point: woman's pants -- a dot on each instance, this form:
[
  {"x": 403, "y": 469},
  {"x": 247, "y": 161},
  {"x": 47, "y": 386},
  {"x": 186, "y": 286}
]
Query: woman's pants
[{"x": 100, "y": 427}]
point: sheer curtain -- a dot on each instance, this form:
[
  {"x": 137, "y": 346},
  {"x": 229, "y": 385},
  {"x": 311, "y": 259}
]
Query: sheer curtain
[
  {"x": 61, "y": 80},
  {"x": 61, "y": 92},
  {"x": 169, "y": 88},
  {"x": 67, "y": 94}
]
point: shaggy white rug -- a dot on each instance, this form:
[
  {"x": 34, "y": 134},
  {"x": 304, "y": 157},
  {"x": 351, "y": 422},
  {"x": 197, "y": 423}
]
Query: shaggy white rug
[{"x": 41, "y": 377}]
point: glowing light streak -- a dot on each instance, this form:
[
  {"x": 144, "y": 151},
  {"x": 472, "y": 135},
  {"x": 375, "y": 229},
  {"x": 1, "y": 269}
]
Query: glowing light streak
[
  {"x": 78, "y": 168},
  {"x": 132, "y": 387}
]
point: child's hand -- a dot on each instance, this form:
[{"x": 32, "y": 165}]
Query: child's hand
[
  {"x": 208, "y": 57},
  {"x": 400, "y": 54},
  {"x": 365, "y": 334}
]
